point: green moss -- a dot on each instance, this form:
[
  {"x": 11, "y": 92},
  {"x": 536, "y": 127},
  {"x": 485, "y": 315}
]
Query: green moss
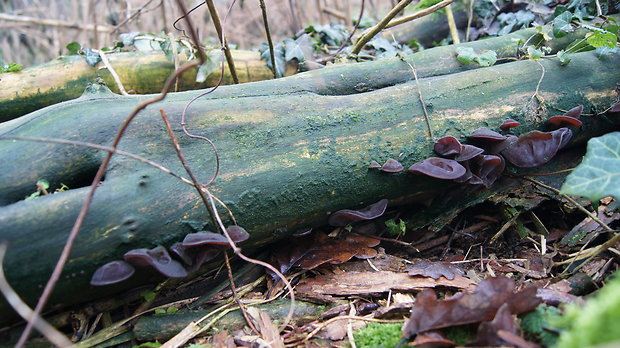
[
  {"x": 594, "y": 324},
  {"x": 377, "y": 335},
  {"x": 460, "y": 334},
  {"x": 534, "y": 325}
]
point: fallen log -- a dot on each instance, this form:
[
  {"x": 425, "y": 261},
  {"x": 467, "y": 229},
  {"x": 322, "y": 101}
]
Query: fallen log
[
  {"x": 66, "y": 77},
  {"x": 289, "y": 155}
]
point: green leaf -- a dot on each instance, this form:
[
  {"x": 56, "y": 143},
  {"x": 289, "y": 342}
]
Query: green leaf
[
  {"x": 160, "y": 311},
  {"x": 43, "y": 184},
  {"x": 278, "y": 55},
  {"x": 561, "y": 24},
  {"x": 148, "y": 295},
  {"x": 73, "y": 48},
  {"x": 127, "y": 39},
  {"x": 564, "y": 57},
  {"x": 579, "y": 45},
  {"x": 544, "y": 31},
  {"x": 598, "y": 175},
  {"x": 11, "y": 67},
  {"x": 602, "y": 39},
  {"x": 92, "y": 58},
  {"x": 534, "y": 53},
  {"x": 465, "y": 55},
  {"x": 487, "y": 58},
  {"x": 300, "y": 49},
  {"x": 212, "y": 63},
  {"x": 171, "y": 309}
]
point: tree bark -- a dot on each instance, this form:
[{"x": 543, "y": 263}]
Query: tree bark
[{"x": 292, "y": 150}]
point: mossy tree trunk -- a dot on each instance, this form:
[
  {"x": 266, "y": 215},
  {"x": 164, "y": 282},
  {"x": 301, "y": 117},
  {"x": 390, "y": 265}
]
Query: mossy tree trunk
[
  {"x": 292, "y": 150},
  {"x": 66, "y": 78}
]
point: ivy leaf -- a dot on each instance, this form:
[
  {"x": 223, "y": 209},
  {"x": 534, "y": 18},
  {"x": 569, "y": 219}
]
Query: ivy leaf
[
  {"x": 564, "y": 57},
  {"x": 278, "y": 55},
  {"x": 602, "y": 39},
  {"x": 127, "y": 39},
  {"x": 561, "y": 24},
  {"x": 465, "y": 55},
  {"x": 73, "y": 48},
  {"x": 534, "y": 53},
  {"x": 212, "y": 63},
  {"x": 487, "y": 58},
  {"x": 300, "y": 49},
  {"x": 91, "y": 57},
  {"x": 598, "y": 175}
]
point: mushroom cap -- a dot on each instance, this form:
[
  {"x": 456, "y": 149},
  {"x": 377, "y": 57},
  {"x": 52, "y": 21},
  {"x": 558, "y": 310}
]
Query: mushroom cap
[
  {"x": 392, "y": 166},
  {"x": 448, "y": 146},
  {"x": 487, "y": 135},
  {"x": 237, "y": 233},
  {"x": 575, "y": 112},
  {"x": 347, "y": 216},
  {"x": 112, "y": 273},
  {"x": 440, "y": 168},
  {"x": 488, "y": 168},
  {"x": 564, "y": 120},
  {"x": 536, "y": 148},
  {"x": 509, "y": 123},
  {"x": 182, "y": 252},
  {"x": 159, "y": 259},
  {"x": 204, "y": 238},
  {"x": 374, "y": 165},
  {"x": 468, "y": 152}
]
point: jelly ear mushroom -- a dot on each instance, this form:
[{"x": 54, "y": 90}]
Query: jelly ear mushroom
[
  {"x": 440, "y": 168},
  {"x": 508, "y": 124},
  {"x": 468, "y": 152},
  {"x": 204, "y": 238},
  {"x": 559, "y": 121},
  {"x": 488, "y": 168},
  {"x": 392, "y": 166},
  {"x": 347, "y": 216},
  {"x": 237, "y": 233},
  {"x": 536, "y": 148},
  {"x": 112, "y": 273},
  {"x": 486, "y": 134},
  {"x": 374, "y": 165},
  {"x": 570, "y": 118},
  {"x": 574, "y": 112},
  {"x": 159, "y": 259},
  {"x": 448, "y": 146}
]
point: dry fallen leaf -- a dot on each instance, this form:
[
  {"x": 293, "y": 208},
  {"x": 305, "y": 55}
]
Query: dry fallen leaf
[
  {"x": 487, "y": 331},
  {"x": 464, "y": 308},
  {"x": 268, "y": 330},
  {"x": 435, "y": 270},
  {"x": 432, "y": 339},
  {"x": 312, "y": 250}
]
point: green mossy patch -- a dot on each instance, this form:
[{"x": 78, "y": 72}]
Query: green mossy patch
[{"x": 377, "y": 335}]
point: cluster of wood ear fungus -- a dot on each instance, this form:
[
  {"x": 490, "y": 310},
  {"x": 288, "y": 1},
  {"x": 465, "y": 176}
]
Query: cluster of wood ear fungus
[
  {"x": 191, "y": 253},
  {"x": 484, "y": 163}
]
